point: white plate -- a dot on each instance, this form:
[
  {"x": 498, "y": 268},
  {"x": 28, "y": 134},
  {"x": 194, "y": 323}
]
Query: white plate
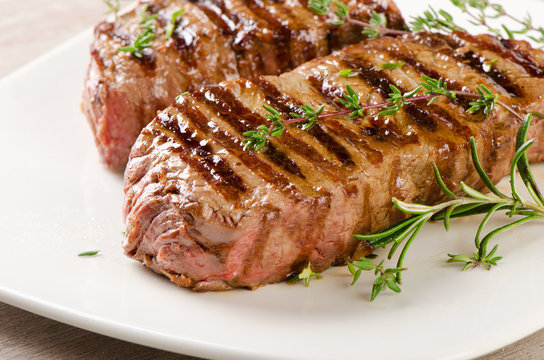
[{"x": 57, "y": 201}]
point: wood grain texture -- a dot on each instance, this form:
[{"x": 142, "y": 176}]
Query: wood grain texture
[{"x": 32, "y": 28}]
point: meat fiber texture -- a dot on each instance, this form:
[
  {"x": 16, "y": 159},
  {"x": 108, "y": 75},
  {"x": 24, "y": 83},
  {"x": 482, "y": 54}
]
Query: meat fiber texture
[
  {"x": 213, "y": 216},
  {"x": 214, "y": 40}
]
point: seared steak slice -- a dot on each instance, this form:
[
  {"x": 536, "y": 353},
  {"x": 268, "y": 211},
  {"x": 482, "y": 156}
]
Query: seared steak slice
[
  {"x": 212, "y": 216},
  {"x": 215, "y": 40}
]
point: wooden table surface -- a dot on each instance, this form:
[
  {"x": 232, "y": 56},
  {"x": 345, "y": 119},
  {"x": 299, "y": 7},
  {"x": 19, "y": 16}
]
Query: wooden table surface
[{"x": 28, "y": 28}]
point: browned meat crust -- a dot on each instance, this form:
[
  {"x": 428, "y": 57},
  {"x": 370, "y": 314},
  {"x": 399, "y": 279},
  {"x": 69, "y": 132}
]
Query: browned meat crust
[
  {"x": 216, "y": 40},
  {"x": 213, "y": 216}
]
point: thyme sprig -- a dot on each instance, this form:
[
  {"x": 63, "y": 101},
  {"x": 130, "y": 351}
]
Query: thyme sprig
[
  {"x": 434, "y": 20},
  {"x": 257, "y": 139},
  {"x": 145, "y": 37},
  {"x": 487, "y": 101},
  {"x": 306, "y": 274},
  {"x": 471, "y": 203},
  {"x": 480, "y": 13},
  {"x": 351, "y": 101},
  {"x": 386, "y": 278},
  {"x": 339, "y": 15},
  {"x": 434, "y": 88},
  {"x": 397, "y": 100},
  {"x": 113, "y": 6}
]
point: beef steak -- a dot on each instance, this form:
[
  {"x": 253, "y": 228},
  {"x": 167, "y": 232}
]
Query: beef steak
[
  {"x": 215, "y": 40},
  {"x": 211, "y": 215}
]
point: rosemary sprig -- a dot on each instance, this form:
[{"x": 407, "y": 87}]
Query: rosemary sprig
[{"x": 471, "y": 203}]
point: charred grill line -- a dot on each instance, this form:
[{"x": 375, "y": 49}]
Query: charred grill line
[
  {"x": 216, "y": 15},
  {"x": 215, "y": 172},
  {"x": 381, "y": 132},
  {"x": 231, "y": 111},
  {"x": 223, "y": 101},
  {"x": 478, "y": 63},
  {"x": 504, "y": 48},
  {"x": 252, "y": 162},
  {"x": 526, "y": 59},
  {"x": 282, "y": 33},
  {"x": 216, "y": 40},
  {"x": 241, "y": 40},
  {"x": 461, "y": 101},
  {"x": 183, "y": 40},
  {"x": 284, "y": 104},
  {"x": 474, "y": 59},
  {"x": 381, "y": 82}
]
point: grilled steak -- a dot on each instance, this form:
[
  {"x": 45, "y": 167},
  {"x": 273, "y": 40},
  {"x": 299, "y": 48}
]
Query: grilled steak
[
  {"x": 212, "y": 216},
  {"x": 215, "y": 40}
]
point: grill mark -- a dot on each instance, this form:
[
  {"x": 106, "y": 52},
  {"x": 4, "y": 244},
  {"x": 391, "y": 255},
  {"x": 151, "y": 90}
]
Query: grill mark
[
  {"x": 255, "y": 254},
  {"x": 247, "y": 120},
  {"x": 235, "y": 26},
  {"x": 382, "y": 132},
  {"x": 329, "y": 93},
  {"x": 234, "y": 146},
  {"x": 215, "y": 172},
  {"x": 184, "y": 41},
  {"x": 284, "y": 104},
  {"x": 216, "y": 15},
  {"x": 282, "y": 33},
  {"x": 373, "y": 155},
  {"x": 472, "y": 59},
  {"x": 380, "y": 81},
  {"x": 232, "y": 111},
  {"x": 444, "y": 116},
  {"x": 530, "y": 63},
  {"x": 505, "y": 49},
  {"x": 477, "y": 62},
  {"x": 462, "y": 101},
  {"x": 319, "y": 212}
]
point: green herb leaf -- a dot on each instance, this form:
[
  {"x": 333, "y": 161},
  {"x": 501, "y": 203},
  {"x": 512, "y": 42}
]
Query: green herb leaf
[
  {"x": 89, "y": 253},
  {"x": 393, "y": 65},
  {"x": 345, "y": 73},
  {"x": 171, "y": 27},
  {"x": 379, "y": 21}
]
